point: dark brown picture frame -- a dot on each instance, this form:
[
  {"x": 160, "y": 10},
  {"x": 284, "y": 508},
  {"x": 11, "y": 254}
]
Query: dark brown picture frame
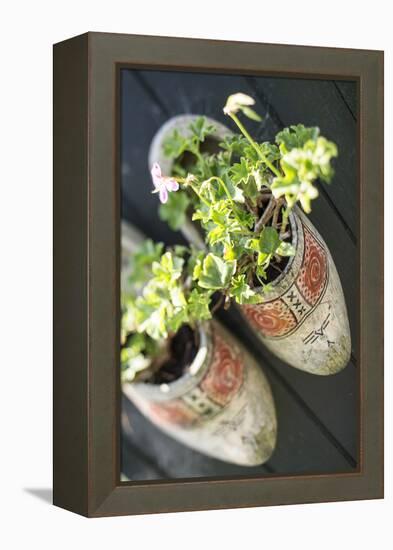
[{"x": 86, "y": 273}]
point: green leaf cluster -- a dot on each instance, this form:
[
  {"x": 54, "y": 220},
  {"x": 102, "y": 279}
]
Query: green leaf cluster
[
  {"x": 302, "y": 166},
  {"x": 174, "y": 211},
  {"x": 295, "y": 137},
  {"x": 176, "y": 144},
  {"x": 225, "y": 189},
  {"x": 169, "y": 297},
  {"x": 165, "y": 297},
  {"x": 137, "y": 354},
  {"x": 141, "y": 262}
]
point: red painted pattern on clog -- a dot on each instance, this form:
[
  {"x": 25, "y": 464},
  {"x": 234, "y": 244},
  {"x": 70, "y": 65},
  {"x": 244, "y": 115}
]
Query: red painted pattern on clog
[
  {"x": 225, "y": 375},
  {"x": 271, "y": 318},
  {"x": 278, "y": 318},
  {"x": 173, "y": 412},
  {"x": 312, "y": 277}
]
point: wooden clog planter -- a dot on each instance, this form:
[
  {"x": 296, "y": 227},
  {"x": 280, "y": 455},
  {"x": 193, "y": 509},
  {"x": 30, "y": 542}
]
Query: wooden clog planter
[
  {"x": 222, "y": 406},
  {"x": 304, "y": 319}
]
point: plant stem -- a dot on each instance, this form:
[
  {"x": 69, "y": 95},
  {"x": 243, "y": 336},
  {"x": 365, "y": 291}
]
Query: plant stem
[
  {"x": 261, "y": 281},
  {"x": 276, "y": 213},
  {"x": 218, "y": 304},
  {"x": 284, "y": 223},
  {"x": 222, "y": 183},
  {"x": 200, "y": 158},
  {"x": 184, "y": 180},
  {"x": 207, "y": 203},
  {"x": 254, "y": 144},
  {"x": 267, "y": 214},
  {"x": 276, "y": 267}
]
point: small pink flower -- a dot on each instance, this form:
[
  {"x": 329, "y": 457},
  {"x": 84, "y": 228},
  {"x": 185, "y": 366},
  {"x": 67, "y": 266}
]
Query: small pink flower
[{"x": 162, "y": 184}]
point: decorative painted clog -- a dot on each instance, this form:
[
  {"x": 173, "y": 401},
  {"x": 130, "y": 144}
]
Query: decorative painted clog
[
  {"x": 222, "y": 407},
  {"x": 156, "y": 154},
  {"x": 304, "y": 319}
]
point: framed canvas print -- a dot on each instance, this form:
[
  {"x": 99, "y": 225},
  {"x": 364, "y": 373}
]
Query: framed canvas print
[{"x": 218, "y": 274}]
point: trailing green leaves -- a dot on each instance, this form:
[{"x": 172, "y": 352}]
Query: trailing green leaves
[
  {"x": 242, "y": 292},
  {"x": 141, "y": 262},
  {"x": 136, "y": 355},
  {"x": 295, "y": 137},
  {"x": 301, "y": 168},
  {"x": 269, "y": 240},
  {"x": 199, "y": 305},
  {"x": 216, "y": 273},
  {"x": 174, "y": 211},
  {"x": 200, "y": 129},
  {"x": 168, "y": 297}
]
